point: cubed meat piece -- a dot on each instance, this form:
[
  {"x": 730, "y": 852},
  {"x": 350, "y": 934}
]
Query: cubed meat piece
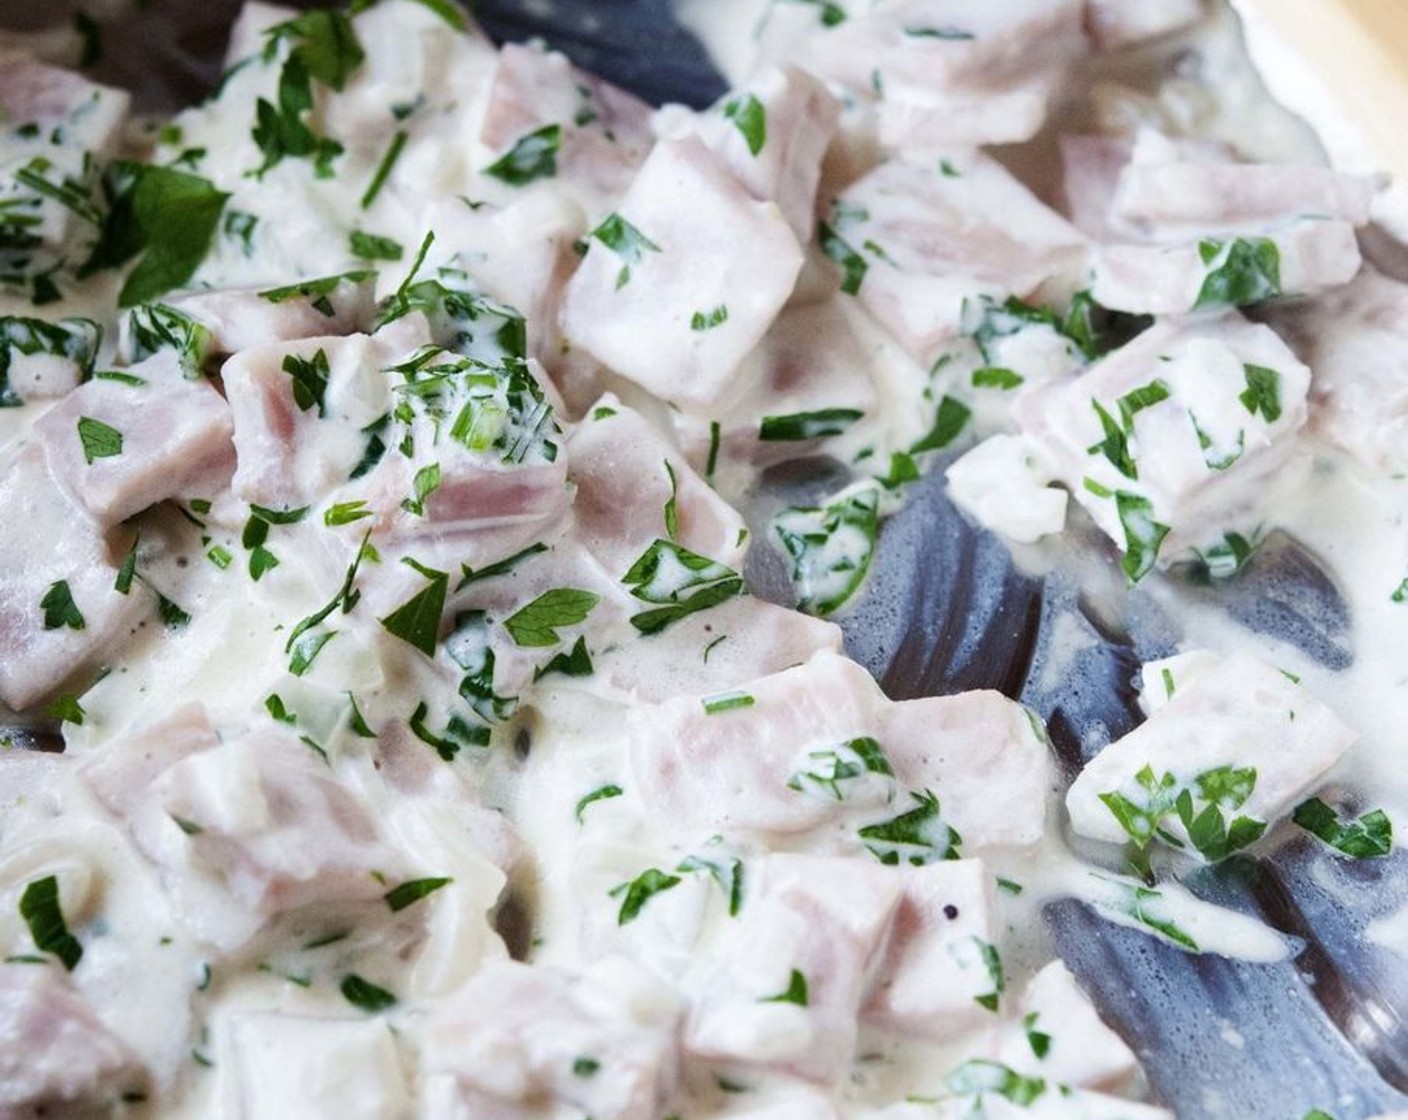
[
  {"x": 1061, "y": 1038},
  {"x": 515, "y": 1036},
  {"x": 267, "y": 815},
  {"x": 912, "y": 119},
  {"x": 1160, "y": 680},
  {"x": 793, "y": 969},
  {"x": 240, "y": 318},
  {"x": 121, "y": 444},
  {"x": 676, "y": 305},
  {"x": 304, "y": 415},
  {"x": 984, "y": 755},
  {"x": 316, "y": 1068},
  {"x": 740, "y": 639},
  {"x": 772, "y": 135},
  {"x": 545, "y": 119},
  {"x": 914, "y": 242},
  {"x": 122, "y": 770},
  {"x": 60, "y": 609},
  {"x": 722, "y": 764},
  {"x": 60, "y": 130},
  {"x": 1163, "y": 192},
  {"x": 1004, "y": 486},
  {"x": 634, "y": 487},
  {"x": 1309, "y": 256},
  {"x": 40, "y": 360},
  {"x": 1356, "y": 341},
  {"x": 939, "y": 977},
  {"x": 1113, "y": 24},
  {"x": 1243, "y": 743},
  {"x": 57, "y": 1058},
  {"x": 1165, "y": 440}
]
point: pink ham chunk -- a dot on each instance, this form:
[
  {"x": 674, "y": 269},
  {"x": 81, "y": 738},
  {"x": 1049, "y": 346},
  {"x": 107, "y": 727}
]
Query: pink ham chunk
[
  {"x": 121, "y": 773},
  {"x": 815, "y": 924},
  {"x": 120, "y": 446},
  {"x": 57, "y": 1058},
  {"x": 42, "y": 646},
  {"x": 516, "y": 1037},
  {"x": 916, "y": 241},
  {"x": 1113, "y": 24},
  {"x": 602, "y": 133},
  {"x": 626, "y": 475},
  {"x": 239, "y": 318},
  {"x": 291, "y": 452},
  {"x": 728, "y": 770},
  {"x": 1312, "y": 256},
  {"x": 772, "y": 135},
  {"x": 268, "y": 817},
  {"x": 676, "y": 303},
  {"x": 937, "y": 979}
]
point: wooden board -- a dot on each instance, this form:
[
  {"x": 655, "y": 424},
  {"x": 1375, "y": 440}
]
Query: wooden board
[{"x": 1359, "y": 51}]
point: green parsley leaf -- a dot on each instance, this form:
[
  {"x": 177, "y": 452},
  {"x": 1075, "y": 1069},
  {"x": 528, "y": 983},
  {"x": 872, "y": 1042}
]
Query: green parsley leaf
[
  {"x": 1369, "y": 837},
  {"x": 585, "y": 1067},
  {"x": 795, "y": 992},
  {"x": 831, "y": 548},
  {"x": 1143, "y": 535},
  {"x": 412, "y": 891},
  {"x": 469, "y": 575},
  {"x": 680, "y": 581},
  {"x": 39, "y": 907},
  {"x": 532, "y": 157},
  {"x": 995, "y": 377},
  {"x": 365, "y": 995},
  {"x": 1263, "y": 392},
  {"x": 77, "y": 340},
  {"x": 750, "y": 118},
  {"x": 707, "y": 321},
  {"x": 601, "y": 793},
  {"x": 576, "y": 663},
  {"x": 100, "y": 441},
  {"x": 726, "y": 702},
  {"x": 459, "y": 733},
  {"x": 1039, "y": 1041},
  {"x": 992, "y": 962},
  {"x": 979, "y": 1077},
  {"x": 426, "y": 482},
  {"x": 952, "y": 418},
  {"x": 318, "y": 291},
  {"x": 627, "y": 242},
  {"x": 66, "y": 708},
  {"x": 371, "y": 247},
  {"x": 836, "y": 771},
  {"x": 59, "y": 608},
  {"x": 853, "y": 265},
  {"x": 345, "y": 513},
  {"x": 808, "y": 425},
  {"x": 917, "y": 837},
  {"x": 123, "y": 584},
  {"x": 1243, "y": 271},
  {"x": 537, "y": 623},
  {"x": 155, "y": 327},
  {"x": 640, "y": 890},
  {"x": 417, "y": 621}
]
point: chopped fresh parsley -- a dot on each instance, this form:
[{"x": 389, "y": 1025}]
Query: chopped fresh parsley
[
  {"x": 426, "y": 482},
  {"x": 997, "y": 377},
  {"x": 750, "y": 118},
  {"x": 627, "y": 242},
  {"x": 75, "y": 339},
  {"x": 577, "y": 662},
  {"x": 59, "y": 608},
  {"x": 992, "y": 963},
  {"x": 727, "y": 873},
  {"x": 318, "y": 291},
  {"x": 708, "y": 320},
  {"x": 835, "y": 772},
  {"x": 917, "y": 836},
  {"x": 365, "y": 995},
  {"x": 99, "y": 440},
  {"x": 310, "y": 380},
  {"x": 156, "y": 327},
  {"x": 680, "y": 582},
  {"x": 1242, "y": 271},
  {"x": 1369, "y": 837},
  {"x": 417, "y": 621},
  {"x": 640, "y": 890},
  {"x": 795, "y": 992},
  {"x": 671, "y": 511},
  {"x": 372, "y": 247},
  {"x": 980, "y": 1077},
  {"x": 1039, "y": 1041},
  {"x": 1202, "y": 806},
  {"x": 601, "y": 793},
  {"x": 831, "y": 548},
  {"x": 469, "y": 575},
  {"x": 952, "y": 417},
  {"x": 1263, "y": 392},
  {"x": 532, "y": 157},
  {"x": 345, "y": 513},
  {"x": 799, "y": 426},
  {"x": 459, "y": 733},
  {"x": 853, "y": 265},
  {"x": 39, "y": 907},
  {"x": 537, "y": 624},
  {"x": 726, "y": 702},
  {"x": 412, "y": 891},
  {"x": 1143, "y": 535}
]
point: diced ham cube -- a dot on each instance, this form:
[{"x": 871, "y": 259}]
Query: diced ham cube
[
  {"x": 42, "y": 646},
  {"x": 170, "y": 433},
  {"x": 292, "y": 447},
  {"x": 1356, "y": 341},
  {"x": 915, "y": 242},
  {"x": 1195, "y": 414},
  {"x": 1113, "y": 24},
  {"x": 674, "y": 305},
  {"x": 516, "y": 1035},
  {"x": 1243, "y": 716},
  {"x": 814, "y": 924},
  {"x": 240, "y": 318},
  {"x": 983, "y": 754},
  {"x": 122, "y": 771},
  {"x": 317, "y": 1068},
  {"x": 1079, "y": 1050},
  {"x": 626, "y": 474},
  {"x": 1311, "y": 256},
  {"x": 265, "y": 814},
  {"x": 936, "y": 969},
  {"x": 1004, "y": 486},
  {"x": 689, "y": 766},
  {"x": 789, "y": 118},
  {"x": 57, "y": 1058},
  {"x": 603, "y": 133},
  {"x": 913, "y": 119}
]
